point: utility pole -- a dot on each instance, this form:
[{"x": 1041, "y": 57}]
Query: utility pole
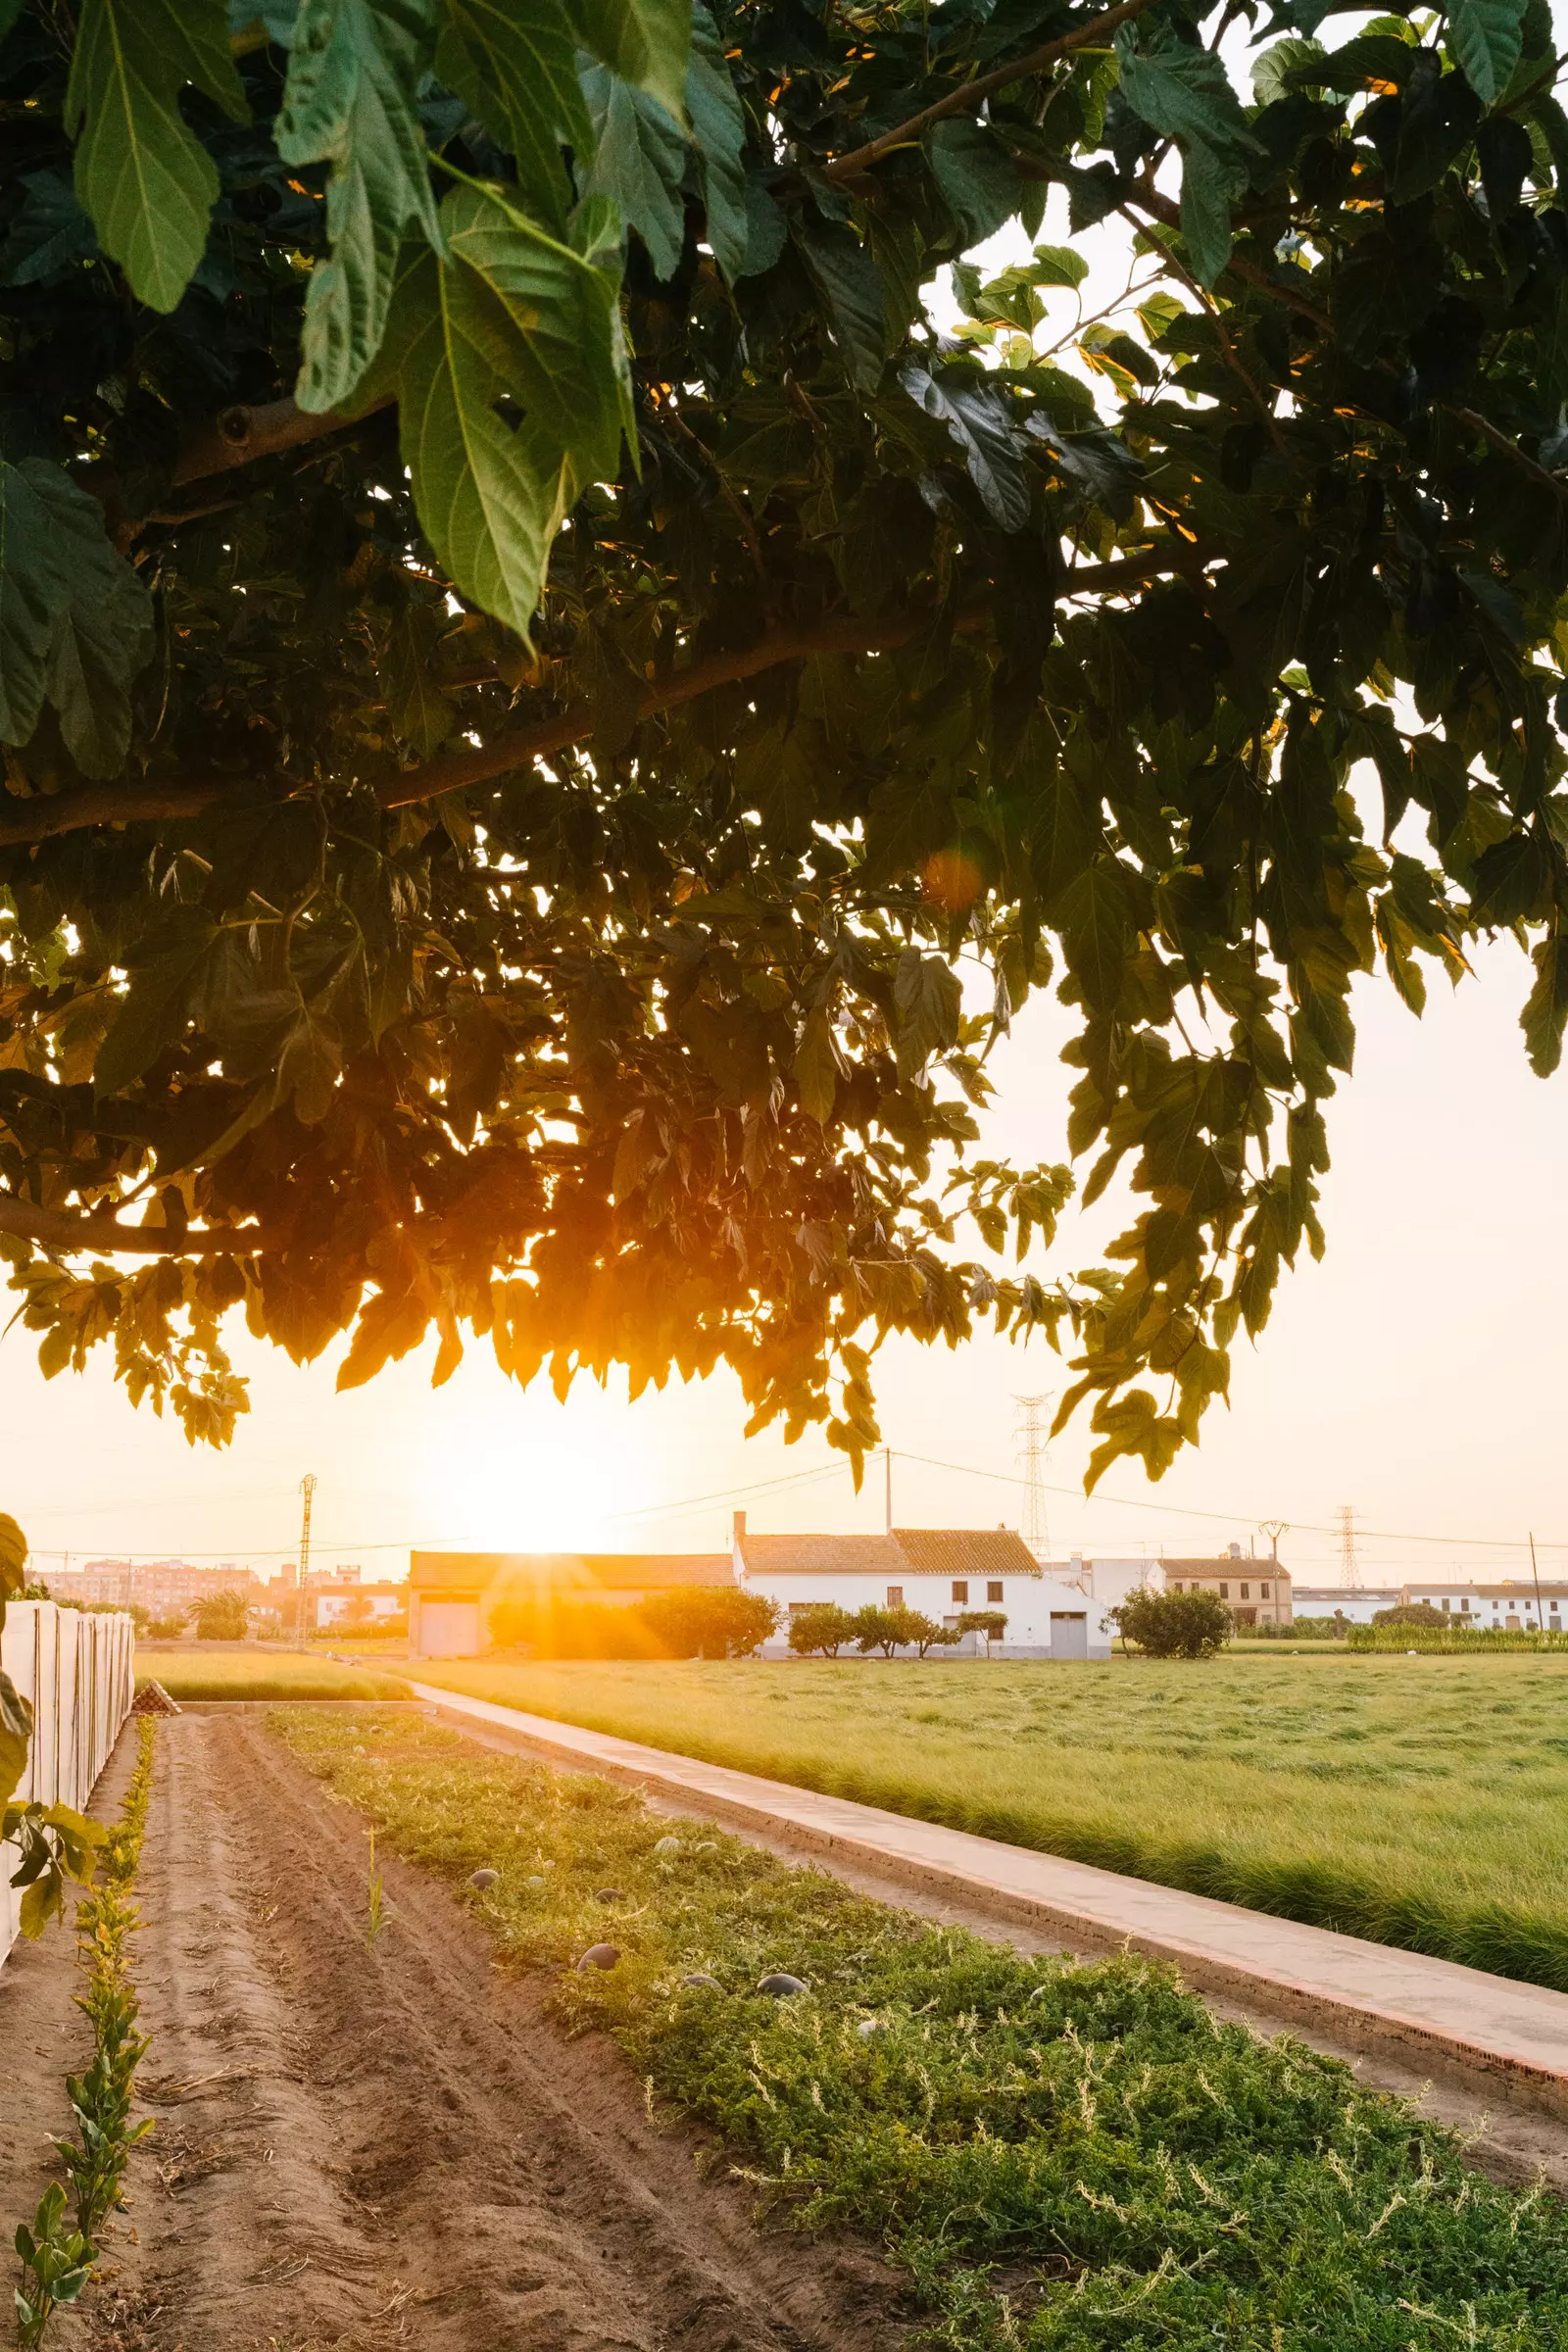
[
  {"x": 307, "y": 1488},
  {"x": 1349, "y": 1567},
  {"x": 1032, "y": 1453},
  {"x": 1274, "y": 1529},
  {"x": 1540, "y": 1614}
]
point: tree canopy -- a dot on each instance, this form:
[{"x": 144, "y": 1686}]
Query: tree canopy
[{"x": 567, "y": 663}]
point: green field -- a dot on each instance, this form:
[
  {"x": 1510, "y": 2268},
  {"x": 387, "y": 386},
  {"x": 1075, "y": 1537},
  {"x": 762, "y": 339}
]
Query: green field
[
  {"x": 1059, "y": 2156},
  {"x": 193, "y": 1671},
  {"x": 1418, "y": 1802}
]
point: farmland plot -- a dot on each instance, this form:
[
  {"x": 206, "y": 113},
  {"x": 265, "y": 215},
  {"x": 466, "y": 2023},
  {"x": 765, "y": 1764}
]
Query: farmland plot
[{"x": 1417, "y": 1801}]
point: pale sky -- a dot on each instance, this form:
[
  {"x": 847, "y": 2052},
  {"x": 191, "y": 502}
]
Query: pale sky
[{"x": 1418, "y": 1373}]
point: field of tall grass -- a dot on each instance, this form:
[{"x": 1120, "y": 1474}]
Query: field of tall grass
[
  {"x": 196, "y": 1671},
  {"x": 1418, "y": 1802}
]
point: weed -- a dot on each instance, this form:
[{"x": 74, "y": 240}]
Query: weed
[{"x": 1064, "y": 2157}]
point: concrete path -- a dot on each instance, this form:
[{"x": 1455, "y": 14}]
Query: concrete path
[{"x": 1372, "y": 1996}]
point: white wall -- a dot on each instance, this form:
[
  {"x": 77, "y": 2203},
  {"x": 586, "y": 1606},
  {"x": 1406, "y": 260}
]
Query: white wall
[
  {"x": 1028, "y": 1602},
  {"x": 78, "y": 1671}
]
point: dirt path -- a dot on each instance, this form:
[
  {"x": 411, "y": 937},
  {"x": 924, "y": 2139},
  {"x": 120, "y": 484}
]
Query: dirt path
[{"x": 353, "y": 2148}]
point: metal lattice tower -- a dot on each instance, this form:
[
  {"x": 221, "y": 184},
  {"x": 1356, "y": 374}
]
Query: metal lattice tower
[
  {"x": 1032, "y": 1453},
  {"x": 1349, "y": 1566},
  {"x": 308, "y": 1490}
]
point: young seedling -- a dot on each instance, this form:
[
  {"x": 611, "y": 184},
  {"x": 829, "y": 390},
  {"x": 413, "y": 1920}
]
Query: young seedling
[
  {"x": 55, "y": 2265},
  {"x": 377, "y": 1918}
]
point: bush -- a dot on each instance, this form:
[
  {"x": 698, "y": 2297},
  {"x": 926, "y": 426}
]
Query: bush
[
  {"x": 1412, "y": 1612},
  {"x": 700, "y": 1621},
  {"x": 220, "y": 1617},
  {"x": 162, "y": 1629},
  {"x": 1174, "y": 1624},
  {"x": 822, "y": 1626}
]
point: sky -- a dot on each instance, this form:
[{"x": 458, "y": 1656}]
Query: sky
[{"x": 1419, "y": 1374}]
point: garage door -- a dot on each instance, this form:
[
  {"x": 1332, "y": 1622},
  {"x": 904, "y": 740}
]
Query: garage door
[
  {"x": 1070, "y": 1633},
  {"x": 448, "y": 1629}
]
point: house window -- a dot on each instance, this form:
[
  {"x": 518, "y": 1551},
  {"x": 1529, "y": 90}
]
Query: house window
[
  {"x": 1246, "y": 1592},
  {"x": 993, "y": 1590},
  {"x": 1445, "y": 1605},
  {"x": 1262, "y": 1591},
  {"x": 1464, "y": 1608},
  {"x": 1224, "y": 1592},
  {"x": 960, "y": 1591},
  {"x": 895, "y": 1596}
]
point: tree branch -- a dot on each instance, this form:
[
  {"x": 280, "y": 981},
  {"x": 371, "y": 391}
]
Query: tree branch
[
  {"x": 968, "y": 94},
  {"x": 239, "y": 434},
  {"x": 86, "y": 804},
  {"x": 59, "y": 1229}
]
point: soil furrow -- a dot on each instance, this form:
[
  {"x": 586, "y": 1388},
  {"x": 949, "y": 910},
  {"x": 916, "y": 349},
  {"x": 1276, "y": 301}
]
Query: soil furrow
[{"x": 360, "y": 2145}]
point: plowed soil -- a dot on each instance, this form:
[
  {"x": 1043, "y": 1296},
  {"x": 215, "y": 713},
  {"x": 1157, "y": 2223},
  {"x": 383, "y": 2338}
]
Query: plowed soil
[{"x": 361, "y": 2147}]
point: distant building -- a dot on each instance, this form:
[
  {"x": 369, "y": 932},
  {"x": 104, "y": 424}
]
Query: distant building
[
  {"x": 164, "y": 1588},
  {"x": 452, "y": 1595},
  {"x": 1357, "y": 1605},
  {"x": 941, "y": 1571},
  {"x": 1256, "y": 1591},
  {"x": 347, "y": 1603}
]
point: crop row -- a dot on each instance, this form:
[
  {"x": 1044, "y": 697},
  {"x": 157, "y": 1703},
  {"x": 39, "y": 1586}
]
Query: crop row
[
  {"x": 1061, "y": 2156},
  {"x": 57, "y": 2255}
]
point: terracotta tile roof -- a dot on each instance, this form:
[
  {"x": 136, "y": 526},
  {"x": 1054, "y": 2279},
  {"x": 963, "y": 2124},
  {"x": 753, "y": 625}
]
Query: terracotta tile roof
[
  {"x": 908, "y": 1551},
  {"x": 1223, "y": 1566},
  {"x": 585, "y": 1571}
]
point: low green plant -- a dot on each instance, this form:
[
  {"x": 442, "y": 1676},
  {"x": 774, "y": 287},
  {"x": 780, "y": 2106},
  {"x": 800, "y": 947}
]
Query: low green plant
[
  {"x": 376, "y": 1918},
  {"x": 1063, "y": 2156},
  {"x": 56, "y": 2264}
]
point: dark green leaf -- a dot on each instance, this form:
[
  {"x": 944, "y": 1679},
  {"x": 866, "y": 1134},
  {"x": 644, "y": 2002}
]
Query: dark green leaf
[
  {"x": 976, "y": 415},
  {"x": 646, "y": 43},
  {"x": 639, "y": 164},
  {"x": 1485, "y": 37},
  {"x": 977, "y": 178},
  {"x": 75, "y": 623},
  {"x": 142, "y": 171},
  {"x": 515, "y": 63},
  {"x": 352, "y": 100},
  {"x": 849, "y": 289},
  {"x": 718, "y": 129}
]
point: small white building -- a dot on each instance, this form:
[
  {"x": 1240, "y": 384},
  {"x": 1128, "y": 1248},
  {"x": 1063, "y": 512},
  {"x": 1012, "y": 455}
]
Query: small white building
[
  {"x": 941, "y": 1571},
  {"x": 1357, "y": 1605}
]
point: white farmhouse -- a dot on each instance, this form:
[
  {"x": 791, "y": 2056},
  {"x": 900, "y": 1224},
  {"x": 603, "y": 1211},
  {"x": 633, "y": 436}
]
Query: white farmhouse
[{"x": 941, "y": 1571}]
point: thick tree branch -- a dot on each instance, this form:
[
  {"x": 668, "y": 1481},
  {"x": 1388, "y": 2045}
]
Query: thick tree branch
[
  {"x": 241, "y": 434},
  {"x": 59, "y": 1229},
  {"x": 967, "y": 95},
  {"x": 49, "y": 815}
]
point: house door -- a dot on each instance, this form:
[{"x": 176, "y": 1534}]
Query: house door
[
  {"x": 448, "y": 1629},
  {"x": 1070, "y": 1633}
]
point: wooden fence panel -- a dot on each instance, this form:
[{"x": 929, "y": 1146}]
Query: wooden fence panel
[{"x": 78, "y": 1671}]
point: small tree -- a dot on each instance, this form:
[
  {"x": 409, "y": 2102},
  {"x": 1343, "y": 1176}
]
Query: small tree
[
  {"x": 359, "y": 1610},
  {"x": 1412, "y": 1612},
  {"x": 220, "y": 1617},
  {"x": 923, "y": 1633},
  {"x": 993, "y": 1623},
  {"x": 1174, "y": 1624},
  {"x": 822, "y": 1627},
  {"x": 877, "y": 1629}
]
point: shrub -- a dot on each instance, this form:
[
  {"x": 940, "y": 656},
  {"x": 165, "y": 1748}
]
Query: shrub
[
  {"x": 220, "y": 1617},
  {"x": 700, "y": 1621},
  {"x": 822, "y": 1627},
  {"x": 1412, "y": 1612},
  {"x": 162, "y": 1629},
  {"x": 1174, "y": 1624}
]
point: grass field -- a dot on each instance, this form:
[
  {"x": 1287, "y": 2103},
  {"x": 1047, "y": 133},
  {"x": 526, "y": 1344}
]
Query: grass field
[
  {"x": 1061, "y": 2157},
  {"x": 186, "y": 1672},
  {"x": 1418, "y": 1802}
]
